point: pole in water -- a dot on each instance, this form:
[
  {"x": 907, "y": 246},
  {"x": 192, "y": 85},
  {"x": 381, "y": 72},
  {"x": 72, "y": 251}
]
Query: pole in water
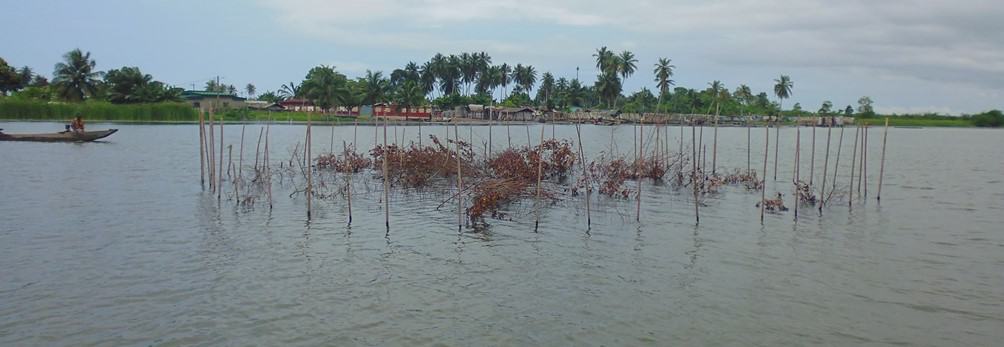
[
  {"x": 540, "y": 172},
  {"x": 348, "y": 180},
  {"x": 202, "y": 150},
  {"x": 854, "y": 161},
  {"x": 763, "y": 193},
  {"x": 265, "y": 163},
  {"x": 460, "y": 181},
  {"x": 777, "y": 146},
  {"x": 240, "y": 167},
  {"x": 386, "y": 183},
  {"x": 639, "y": 162},
  {"x": 826, "y": 163},
  {"x": 836, "y": 164},
  {"x": 714, "y": 148},
  {"x": 585, "y": 173},
  {"x": 795, "y": 175},
  {"x": 812, "y": 157},
  {"x": 309, "y": 161},
  {"x": 211, "y": 154},
  {"x": 864, "y": 166},
  {"x": 885, "y": 136},
  {"x": 219, "y": 175}
]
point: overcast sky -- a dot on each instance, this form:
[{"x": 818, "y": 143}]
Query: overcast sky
[{"x": 909, "y": 56}]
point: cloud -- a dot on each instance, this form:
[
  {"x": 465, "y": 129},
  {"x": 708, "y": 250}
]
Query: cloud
[{"x": 940, "y": 41}]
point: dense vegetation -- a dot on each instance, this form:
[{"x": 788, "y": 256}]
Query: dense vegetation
[{"x": 444, "y": 81}]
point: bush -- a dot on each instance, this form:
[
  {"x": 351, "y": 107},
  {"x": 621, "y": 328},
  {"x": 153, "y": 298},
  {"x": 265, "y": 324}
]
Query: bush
[
  {"x": 993, "y": 119},
  {"x": 41, "y": 110}
]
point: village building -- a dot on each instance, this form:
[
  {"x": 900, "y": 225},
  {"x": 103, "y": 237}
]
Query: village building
[{"x": 212, "y": 101}]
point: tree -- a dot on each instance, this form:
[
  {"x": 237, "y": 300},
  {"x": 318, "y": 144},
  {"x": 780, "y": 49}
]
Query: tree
[
  {"x": 608, "y": 86},
  {"x": 325, "y": 87},
  {"x": 992, "y": 118},
  {"x": 663, "y": 72},
  {"x": 606, "y": 61},
  {"x": 410, "y": 95},
  {"x": 129, "y": 85},
  {"x": 782, "y": 88},
  {"x": 375, "y": 87},
  {"x": 290, "y": 91},
  {"x": 745, "y": 96},
  {"x": 627, "y": 64},
  {"x": 250, "y": 89},
  {"x": 9, "y": 79},
  {"x": 826, "y": 108},
  {"x": 270, "y": 96},
  {"x": 75, "y": 79},
  {"x": 849, "y": 111},
  {"x": 717, "y": 88},
  {"x": 546, "y": 90},
  {"x": 865, "y": 107}
]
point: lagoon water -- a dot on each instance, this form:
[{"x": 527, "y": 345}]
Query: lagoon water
[{"x": 117, "y": 244}]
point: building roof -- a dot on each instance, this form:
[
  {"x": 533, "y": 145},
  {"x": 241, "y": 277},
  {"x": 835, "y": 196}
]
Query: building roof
[
  {"x": 296, "y": 102},
  {"x": 202, "y": 94}
]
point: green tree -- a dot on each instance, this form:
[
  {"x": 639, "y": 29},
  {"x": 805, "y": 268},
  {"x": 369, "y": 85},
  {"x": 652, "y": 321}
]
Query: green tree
[
  {"x": 627, "y": 64},
  {"x": 250, "y": 89},
  {"x": 865, "y": 107},
  {"x": 130, "y": 85},
  {"x": 376, "y": 87},
  {"x": 992, "y": 118},
  {"x": 325, "y": 87},
  {"x": 849, "y": 111},
  {"x": 75, "y": 79},
  {"x": 782, "y": 88},
  {"x": 289, "y": 91},
  {"x": 9, "y": 79},
  {"x": 663, "y": 73},
  {"x": 826, "y": 108}
]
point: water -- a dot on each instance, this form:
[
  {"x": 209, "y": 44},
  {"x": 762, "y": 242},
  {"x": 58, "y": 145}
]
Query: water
[{"x": 116, "y": 243}]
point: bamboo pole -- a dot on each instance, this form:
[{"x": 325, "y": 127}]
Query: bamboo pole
[
  {"x": 219, "y": 177},
  {"x": 777, "y": 146},
  {"x": 700, "y": 145},
  {"x": 331, "y": 146},
  {"x": 309, "y": 162},
  {"x": 460, "y": 181},
  {"x": 386, "y": 183},
  {"x": 540, "y": 173},
  {"x": 202, "y": 150},
  {"x": 639, "y": 162},
  {"x": 864, "y": 166},
  {"x": 240, "y": 168},
  {"x": 796, "y": 175},
  {"x": 836, "y": 164},
  {"x": 508, "y": 134},
  {"x": 265, "y": 163},
  {"x": 826, "y": 163},
  {"x": 854, "y": 161},
  {"x": 230, "y": 165},
  {"x": 585, "y": 173},
  {"x": 257, "y": 150},
  {"x": 861, "y": 158},
  {"x": 749, "y": 144},
  {"x": 885, "y": 136},
  {"x": 714, "y": 148},
  {"x": 812, "y": 158},
  {"x": 419, "y": 133},
  {"x": 348, "y": 180},
  {"x": 763, "y": 193},
  {"x": 693, "y": 177},
  {"x": 211, "y": 150}
]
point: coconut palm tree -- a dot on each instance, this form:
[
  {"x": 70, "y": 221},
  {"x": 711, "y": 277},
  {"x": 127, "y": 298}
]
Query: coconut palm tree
[
  {"x": 663, "y": 71},
  {"x": 75, "y": 78},
  {"x": 504, "y": 79},
  {"x": 627, "y": 64},
  {"x": 546, "y": 89},
  {"x": 744, "y": 94},
  {"x": 375, "y": 87},
  {"x": 716, "y": 94},
  {"x": 250, "y": 89},
  {"x": 782, "y": 88},
  {"x": 605, "y": 60},
  {"x": 325, "y": 87},
  {"x": 290, "y": 91}
]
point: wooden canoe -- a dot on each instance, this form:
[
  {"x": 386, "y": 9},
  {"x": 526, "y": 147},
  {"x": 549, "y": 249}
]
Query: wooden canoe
[{"x": 66, "y": 136}]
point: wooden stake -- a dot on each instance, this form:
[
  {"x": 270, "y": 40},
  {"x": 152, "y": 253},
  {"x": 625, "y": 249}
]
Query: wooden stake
[
  {"x": 777, "y": 146},
  {"x": 309, "y": 161},
  {"x": 211, "y": 150},
  {"x": 796, "y": 178},
  {"x": 836, "y": 164},
  {"x": 460, "y": 181},
  {"x": 348, "y": 180},
  {"x": 826, "y": 163},
  {"x": 639, "y": 162},
  {"x": 693, "y": 177},
  {"x": 219, "y": 177},
  {"x": 240, "y": 168},
  {"x": 386, "y": 183},
  {"x": 763, "y": 193},
  {"x": 714, "y": 148},
  {"x": 885, "y": 136},
  {"x": 257, "y": 150},
  {"x": 812, "y": 158},
  {"x": 202, "y": 150},
  {"x": 864, "y": 166},
  {"x": 854, "y": 161},
  {"x": 585, "y": 173},
  {"x": 265, "y": 163},
  {"x": 540, "y": 173},
  {"x": 749, "y": 145}
]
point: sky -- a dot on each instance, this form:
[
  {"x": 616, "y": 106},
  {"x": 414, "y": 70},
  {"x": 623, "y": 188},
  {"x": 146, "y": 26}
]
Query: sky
[{"x": 907, "y": 55}]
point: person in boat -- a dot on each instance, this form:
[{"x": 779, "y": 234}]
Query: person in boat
[{"x": 77, "y": 124}]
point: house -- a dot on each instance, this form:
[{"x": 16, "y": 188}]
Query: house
[
  {"x": 392, "y": 111},
  {"x": 212, "y": 101},
  {"x": 263, "y": 105},
  {"x": 299, "y": 105},
  {"x": 516, "y": 113}
]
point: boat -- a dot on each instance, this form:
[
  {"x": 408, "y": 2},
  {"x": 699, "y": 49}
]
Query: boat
[{"x": 64, "y": 136}]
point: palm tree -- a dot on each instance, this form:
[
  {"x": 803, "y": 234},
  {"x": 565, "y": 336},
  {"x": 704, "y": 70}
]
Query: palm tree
[
  {"x": 325, "y": 87},
  {"x": 427, "y": 76},
  {"x": 250, "y": 89},
  {"x": 605, "y": 60},
  {"x": 782, "y": 88},
  {"x": 504, "y": 71},
  {"x": 608, "y": 86},
  {"x": 525, "y": 77},
  {"x": 716, "y": 94},
  {"x": 627, "y": 64},
  {"x": 290, "y": 91},
  {"x": 375, "y": 86},
  {"x": 75, "y": 78},
  {"x": 546, "y": 89},
  {"x": 663, "y": 71},
  {"x": 744, "y": 94}
]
